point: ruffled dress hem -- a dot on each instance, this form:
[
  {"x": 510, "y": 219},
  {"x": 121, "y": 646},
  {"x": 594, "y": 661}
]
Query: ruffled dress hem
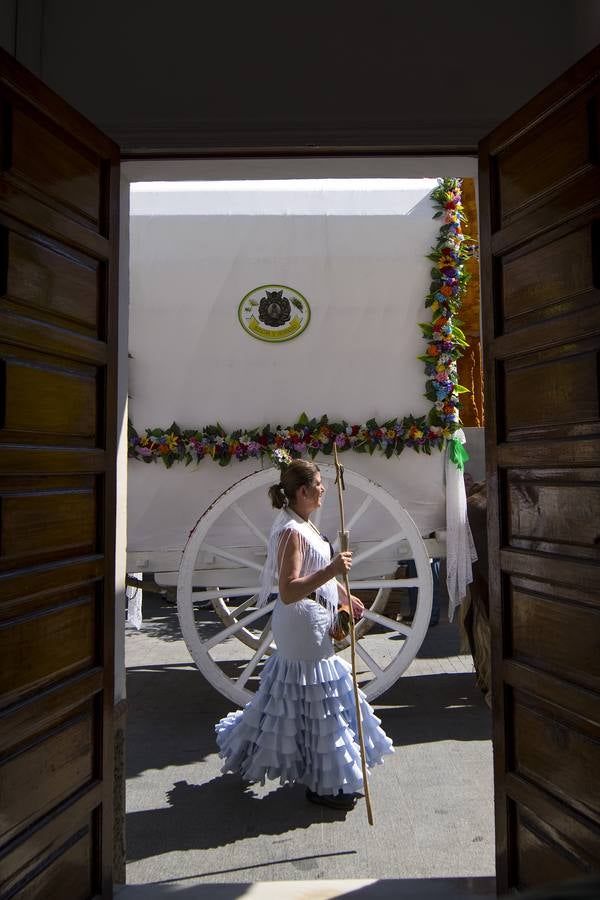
[{"x": 301, "y": 727}]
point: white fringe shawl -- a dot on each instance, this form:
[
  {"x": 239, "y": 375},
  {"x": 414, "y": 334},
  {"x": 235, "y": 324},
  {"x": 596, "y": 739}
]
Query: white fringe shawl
[{"x": 315, "y": 556}]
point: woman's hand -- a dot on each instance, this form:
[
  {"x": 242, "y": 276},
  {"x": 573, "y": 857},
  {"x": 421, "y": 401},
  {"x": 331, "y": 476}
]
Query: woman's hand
[
  {"x": 341, "y": 563},
  {"x": 358, "y": 607}
]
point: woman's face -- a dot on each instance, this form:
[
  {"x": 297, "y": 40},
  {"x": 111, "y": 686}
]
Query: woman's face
[{"x": 314, "y": 493}]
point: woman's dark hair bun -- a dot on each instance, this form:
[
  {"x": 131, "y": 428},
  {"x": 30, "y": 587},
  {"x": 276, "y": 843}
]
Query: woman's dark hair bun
[{"x": 277, "y": 495}]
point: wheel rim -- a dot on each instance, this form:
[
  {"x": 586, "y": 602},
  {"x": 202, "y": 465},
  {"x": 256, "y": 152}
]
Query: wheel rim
[{"x": 227, "y": 667}]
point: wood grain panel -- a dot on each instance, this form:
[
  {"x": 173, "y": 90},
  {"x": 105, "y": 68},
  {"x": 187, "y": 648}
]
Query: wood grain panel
[
  {"x": 577, "y": 834},
  {"x": 540, "y": 860},
  {"x": 51, "y": 707},
  {"x": 49, "y": 280},
  {"x": 59, "y": 194},
  {"x": 28, "y": 592},
  {"x": 581, "y": 574},
  {"x": 582, "y": 452},
  {"x": 41, "y": 649},
  {"x": 58, "y": 168},
  {"x": 559, "y": 391},
  {"x": 69, "y": 875},
  {"x": 548, "y": 514},
  {"x": 540, "y": 276},
  {"x": 53, "y": 524},
  {"x": 559, "y": 270},
  {"x": 583, "y": 704},
  {"x": 543, "y": 752},
  {"x": 539, "y": 624},
  {"x": 27, "y": 459},
  {"x": 569, "y": 207},
  {"x": 545, "y": 157},
  {"x": 555, "y": 326},
  {"x": 24, "y": 859},
  {"x": 41, "y": 776},
  {"x": 49, "y": 401}
]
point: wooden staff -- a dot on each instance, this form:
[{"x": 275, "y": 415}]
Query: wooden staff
[{"x": 344, "y": 545}]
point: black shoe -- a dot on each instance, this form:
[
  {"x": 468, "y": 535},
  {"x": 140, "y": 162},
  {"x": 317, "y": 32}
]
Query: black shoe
[{"x": 334, "y": 801}]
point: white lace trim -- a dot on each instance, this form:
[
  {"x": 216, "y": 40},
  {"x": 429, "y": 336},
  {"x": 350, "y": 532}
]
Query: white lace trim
[{"x": 315, "y": 556}]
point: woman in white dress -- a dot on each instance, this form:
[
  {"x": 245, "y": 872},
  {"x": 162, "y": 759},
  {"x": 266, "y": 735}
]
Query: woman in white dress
[{"x": 301, "y": 724}]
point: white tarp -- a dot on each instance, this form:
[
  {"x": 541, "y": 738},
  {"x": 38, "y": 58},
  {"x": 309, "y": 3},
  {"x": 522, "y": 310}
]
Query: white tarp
[{"x": 365, "y": 278}]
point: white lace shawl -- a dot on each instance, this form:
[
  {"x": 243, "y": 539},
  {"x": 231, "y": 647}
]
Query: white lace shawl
[{"x": 315, "y": 556}]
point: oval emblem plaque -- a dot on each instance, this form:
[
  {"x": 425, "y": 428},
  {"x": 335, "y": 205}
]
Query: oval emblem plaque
[{"x": 274, "y": 312}]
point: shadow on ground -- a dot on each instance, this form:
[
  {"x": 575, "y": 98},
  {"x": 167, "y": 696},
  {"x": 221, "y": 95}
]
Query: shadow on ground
[
  {"x": 173, "y": 709},
  {"x": 242, "y": 815}
]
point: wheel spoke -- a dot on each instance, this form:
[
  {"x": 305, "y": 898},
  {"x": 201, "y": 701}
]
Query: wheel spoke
[
  {"x": 264, "y": 643},
  {"x": 359, "y": 512},
  {"x": 374, "y": 584},
  {"x": 247, "y": 521},
  {"x": 243, "y": 606},
  {"x": 230, "y": 592},
  {"x": 353, "y": 519},
  {"x": 237, "y": 626},
  {"x": 234, "y": 557},
  {"x": 387, "y": 622},
  {"x": 366, "y": 657},
  {"x": 380, "y": 545},
  {"x": 235, "y": 611}
]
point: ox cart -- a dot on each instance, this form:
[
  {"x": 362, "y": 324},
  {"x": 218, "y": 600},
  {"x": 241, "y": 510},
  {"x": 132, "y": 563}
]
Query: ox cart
[{"x": 204, "y": 528}]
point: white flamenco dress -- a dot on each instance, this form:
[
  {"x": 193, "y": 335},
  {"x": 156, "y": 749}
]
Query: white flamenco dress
[{"x": 301, "y": 724}]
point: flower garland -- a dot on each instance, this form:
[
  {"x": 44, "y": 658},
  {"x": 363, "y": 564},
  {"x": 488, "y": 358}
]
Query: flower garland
[
  {"x": 311, "y": 436},
  {"x": 448, "y": 282}
]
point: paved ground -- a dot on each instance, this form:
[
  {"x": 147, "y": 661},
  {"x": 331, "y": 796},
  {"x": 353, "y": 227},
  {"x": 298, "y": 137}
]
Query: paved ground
[{"x": 189, "y": 826}]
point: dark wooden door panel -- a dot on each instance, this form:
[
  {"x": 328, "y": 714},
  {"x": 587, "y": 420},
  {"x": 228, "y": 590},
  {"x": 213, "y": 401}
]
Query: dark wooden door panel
[
  {"x": 540, "y": 619},
  {"x": 58, "y": 285},
  {"x": 64, "y": 757},
  {"x": 537, "y": 851},
  {"x": 552, "y": 387},
  {"x": 556, "y": 278},
  {"x": 540, "y": 209},
  {"x": 57, "y": 402},
  {"x": 58, "y": 314},
  {"x": 69, "y": 875},
  {"x": 24, "y": 873},
  {"x": 554, "y": 511},
  {"x": 60, "y": 170},
  {"x": 42, "y": 649},
  {"x": 548, "y": 155}
]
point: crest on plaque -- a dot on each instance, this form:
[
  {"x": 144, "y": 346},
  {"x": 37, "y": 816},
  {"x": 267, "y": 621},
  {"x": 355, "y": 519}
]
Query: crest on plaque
[{"x": 274, "y": 312}]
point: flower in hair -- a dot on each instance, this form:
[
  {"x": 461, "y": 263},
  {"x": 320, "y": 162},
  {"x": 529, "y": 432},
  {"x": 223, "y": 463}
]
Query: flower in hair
[{"x": 281, "y": 457}]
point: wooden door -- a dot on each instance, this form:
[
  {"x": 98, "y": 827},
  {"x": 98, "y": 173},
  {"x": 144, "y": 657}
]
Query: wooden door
[
  {"x": 540, "y": 243},
  {"x": 58, "y": 338}
]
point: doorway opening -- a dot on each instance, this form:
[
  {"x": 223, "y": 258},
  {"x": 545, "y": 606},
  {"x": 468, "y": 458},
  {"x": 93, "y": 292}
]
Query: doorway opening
[{"x": 349, "y": 237}]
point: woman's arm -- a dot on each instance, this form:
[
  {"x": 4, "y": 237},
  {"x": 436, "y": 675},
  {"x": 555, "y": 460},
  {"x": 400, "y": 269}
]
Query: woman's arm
[{"x": 293, "y": 586}]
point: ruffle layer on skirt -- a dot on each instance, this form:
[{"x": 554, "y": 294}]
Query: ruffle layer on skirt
[{"x": 301, "y": 726}]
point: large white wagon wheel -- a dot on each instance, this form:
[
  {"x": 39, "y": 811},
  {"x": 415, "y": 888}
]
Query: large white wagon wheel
[{"x": 225, "y": 553}]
